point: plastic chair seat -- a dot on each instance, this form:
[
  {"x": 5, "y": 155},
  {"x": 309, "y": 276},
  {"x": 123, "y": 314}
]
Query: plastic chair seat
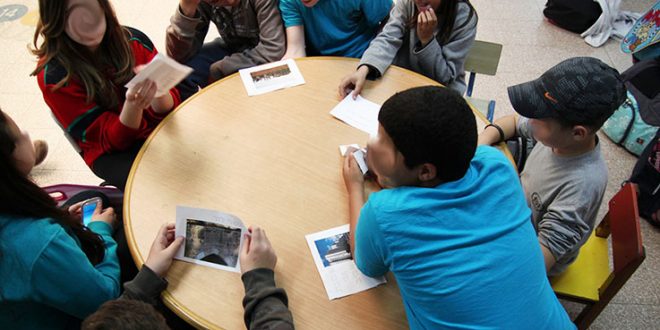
[{"x": 583, "y": 278}]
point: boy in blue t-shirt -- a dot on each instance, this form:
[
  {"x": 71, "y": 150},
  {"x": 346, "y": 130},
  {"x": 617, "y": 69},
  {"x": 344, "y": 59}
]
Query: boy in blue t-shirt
[
  {"x": 451, "y": 223},
  {"x": 331, "y": 27}
]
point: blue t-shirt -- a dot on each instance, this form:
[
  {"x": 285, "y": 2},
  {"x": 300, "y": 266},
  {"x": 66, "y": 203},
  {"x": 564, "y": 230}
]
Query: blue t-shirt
[
  {"x": 465, "y": 254},
  {"x": 336, "y": 27}
]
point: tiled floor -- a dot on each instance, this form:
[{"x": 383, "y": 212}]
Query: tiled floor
[{"x": 531, "y": 45}]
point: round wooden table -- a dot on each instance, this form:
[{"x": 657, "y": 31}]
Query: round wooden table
[{"x": 273, "y": 161}]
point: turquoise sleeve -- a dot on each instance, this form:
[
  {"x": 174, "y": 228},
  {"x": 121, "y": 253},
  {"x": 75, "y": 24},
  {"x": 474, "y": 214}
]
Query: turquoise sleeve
[
  {"x": 290, "y": 13},
  {"x": 370, "y": 249},
  {"x": 64, "y": 278}
]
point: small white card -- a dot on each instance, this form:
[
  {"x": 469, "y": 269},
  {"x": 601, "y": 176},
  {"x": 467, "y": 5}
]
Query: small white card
[
  {"x": 211, "y": 238},
  {"x": 333, "y": 259},
  {"x": 270, "y": 77},
  {"x": 359, "y": 113},
  {"x": 344, "y": 148},
  {"x": 164, "y": 71},
  {"x": 360, "y": 157}
]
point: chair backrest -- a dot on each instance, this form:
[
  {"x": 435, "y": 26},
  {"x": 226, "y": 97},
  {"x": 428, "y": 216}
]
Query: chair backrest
[
  {"x": 627, "y": 248},
  {"x": 483, "y": 57},
  {"x": 68, "y": 137},
  {"x": 62, "y": 192}
]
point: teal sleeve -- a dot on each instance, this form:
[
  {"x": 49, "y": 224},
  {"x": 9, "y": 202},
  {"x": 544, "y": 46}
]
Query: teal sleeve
[
  {"x": 290, "y": 13},
  {"x": 63, "y": 277},
  {"x": 370, "y": 249},
  {"x": 375, "y": 11}
]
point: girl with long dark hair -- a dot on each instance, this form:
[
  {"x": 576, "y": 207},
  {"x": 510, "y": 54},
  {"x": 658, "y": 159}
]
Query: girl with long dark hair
[
  {"x": 84, "y": 60},
  {"x": 54, "y": 271},
  {"x": 431, "y": 37}
]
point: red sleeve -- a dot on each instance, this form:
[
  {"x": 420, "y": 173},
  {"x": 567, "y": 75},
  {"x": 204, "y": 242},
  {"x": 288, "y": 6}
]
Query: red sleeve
[
  {"x": 96, "y": 130},
  {"x": 144, "y": 52}
]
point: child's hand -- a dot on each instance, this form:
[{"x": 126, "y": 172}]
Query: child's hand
[
  {"x": 354, "y": 81},
  {"x": 76, "y": 210},
  {"x": 108, "y": 215},
  {"x": 140, "y": 96},
  {"x": 353, "y": 177},
  {"x": 189, "y": 7},
  {"x": 257, "y": 252},
  {"x": 163, "y": 250},
  {"x": 426, "y": 24}
]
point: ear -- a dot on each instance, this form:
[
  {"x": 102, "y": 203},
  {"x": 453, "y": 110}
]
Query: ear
[
  {"x": 580, "y": 132},
  {"x": 427, "y": 172}
]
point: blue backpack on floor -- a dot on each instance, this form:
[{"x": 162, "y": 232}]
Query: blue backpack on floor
[{"x": 635, "y": 124}]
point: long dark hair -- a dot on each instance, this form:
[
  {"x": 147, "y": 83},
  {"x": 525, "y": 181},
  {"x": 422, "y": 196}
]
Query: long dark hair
[
  {"x": 92, "y": 69},
  {"x": 446, "y": 14},
  {"x": 22, "y": 198}
]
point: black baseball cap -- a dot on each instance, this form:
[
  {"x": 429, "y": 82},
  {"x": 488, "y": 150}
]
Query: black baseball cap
[{"x": 580, "y": 90}]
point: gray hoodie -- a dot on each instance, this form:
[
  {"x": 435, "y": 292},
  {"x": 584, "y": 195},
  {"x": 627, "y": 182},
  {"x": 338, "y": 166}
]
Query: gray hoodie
[{"x": 398, "y": 45}]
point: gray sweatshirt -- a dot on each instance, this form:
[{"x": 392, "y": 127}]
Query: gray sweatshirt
[
  {"x": 253, "y": 32},
  {"x": 397, "y": 45},
  {"x": 564, "y": 194}
]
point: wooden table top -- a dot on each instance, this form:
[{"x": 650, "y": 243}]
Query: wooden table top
[{"x": 273, "y": 161}]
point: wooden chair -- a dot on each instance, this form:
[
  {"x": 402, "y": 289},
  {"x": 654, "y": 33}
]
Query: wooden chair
[
  {"x": 589, "y": 279},
  {"x": 483, "y": 58}
]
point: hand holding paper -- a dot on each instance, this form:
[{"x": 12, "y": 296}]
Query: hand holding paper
[{"x": 162, "y": 70}]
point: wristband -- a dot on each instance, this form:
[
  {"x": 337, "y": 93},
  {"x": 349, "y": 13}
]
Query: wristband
[{"x": 499, "y": 129}]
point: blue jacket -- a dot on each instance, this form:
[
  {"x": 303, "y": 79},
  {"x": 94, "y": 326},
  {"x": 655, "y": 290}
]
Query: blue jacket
[{"x": 46, "y": 280}]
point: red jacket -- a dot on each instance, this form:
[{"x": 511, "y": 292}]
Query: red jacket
[{"x": 97, "y": 130}]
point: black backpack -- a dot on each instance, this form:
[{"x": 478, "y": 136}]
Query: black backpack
[
  {"x": 646, "y": 175},
  {"x": 573, "y": 15}
]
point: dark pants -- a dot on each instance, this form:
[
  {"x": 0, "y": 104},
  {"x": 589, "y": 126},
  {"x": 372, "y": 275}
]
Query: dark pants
[
  {"x": 114, "y": 167},
  {"x": 201, "y": 63},
  {"x": 126, "y": 263}
]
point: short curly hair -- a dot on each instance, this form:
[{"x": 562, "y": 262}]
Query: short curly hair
[
  {"x": 125, "y": 314},
  {"x": 432, "y": 124}
]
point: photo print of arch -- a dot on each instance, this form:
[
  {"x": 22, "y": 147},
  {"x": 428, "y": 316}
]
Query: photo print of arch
[{"x": 212, "y": 238}]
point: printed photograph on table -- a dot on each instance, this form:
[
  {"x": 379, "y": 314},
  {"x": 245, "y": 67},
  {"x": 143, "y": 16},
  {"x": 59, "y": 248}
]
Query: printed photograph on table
[
  {"x": 212, "y": 238},
  {"x": 332, "y": 256},
  {"x": 270, "y": 77},
  {"x": 334, "y": 249},
  {"x": 212, "y": 242},
  {"x": 267, "y": 77}
]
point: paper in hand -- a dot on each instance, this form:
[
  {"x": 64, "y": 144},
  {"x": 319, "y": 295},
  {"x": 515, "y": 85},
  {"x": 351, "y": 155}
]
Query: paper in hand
[
  {"x": 164, "y": 71},
  {"x": 344, "y": 148},
  {"x": 360, "y": 158}
]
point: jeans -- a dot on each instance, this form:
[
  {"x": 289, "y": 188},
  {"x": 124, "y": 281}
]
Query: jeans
[{"x": 209, "y": 53}]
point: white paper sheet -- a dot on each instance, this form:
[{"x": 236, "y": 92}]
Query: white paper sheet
[
  {"x": 270, "y": 77},
  {"x": 212, "y": 238},
  {"x": 359, "y": 156},
  {"x": 164, "y": 71},
  {"x": 344, "y": 147},
  {"x": 359, "y": 113},
  {"x": 335, "y": 263}
]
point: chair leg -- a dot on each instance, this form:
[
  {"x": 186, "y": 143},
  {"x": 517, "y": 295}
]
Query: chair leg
[
  {"x": 589, "y": 315},
  {"x": 471, "y": 83}
]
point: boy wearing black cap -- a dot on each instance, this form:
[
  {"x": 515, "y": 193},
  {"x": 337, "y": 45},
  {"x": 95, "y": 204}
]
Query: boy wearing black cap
[{"x": 565, "y": 175}]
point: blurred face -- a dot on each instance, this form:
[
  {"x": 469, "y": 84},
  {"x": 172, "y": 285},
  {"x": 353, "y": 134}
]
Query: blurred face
[
  {"x": 552, "y": 134},
  {"x": 309, "y": 3},
  {"x": 24, "y": 151},
  {"x": 85, "y": 22},
  {"x": 387, "y": 163},
  {"x": 423, "y": 5}
]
